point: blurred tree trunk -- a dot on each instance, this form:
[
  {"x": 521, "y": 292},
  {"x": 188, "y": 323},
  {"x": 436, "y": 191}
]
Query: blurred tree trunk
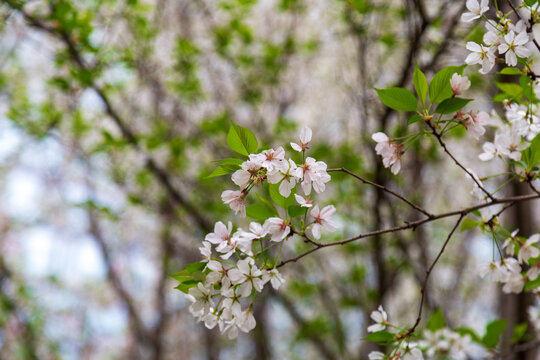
[{"x": 513, "y": 307}]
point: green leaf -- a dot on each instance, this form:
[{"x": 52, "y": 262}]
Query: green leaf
[
  {"x": 436, "y": 321},
  {"x": 241, "y": 140},
  {"x": 398, "y": 98},
  {"x": 190, "y": 276},
  {"x": 520, "y": 333},
  {"x": 420, "y": 84},
  {"x": 531, "y": 155},
  {"x": 493, "y": 331},
  {"x": 468, "y": 224},
  {"x": 296, "y": 210},
  {"x": 414, "y": 119},
  {"x": 260, "y": 211},
  {"x": 278, "y": 198},
  {"x": 440, "y": 88},
  {"x": 194, "y": 267},
  {"x": 510, "y": 71},
  {"x": 532, "y": 284},
  {"x": 223, "y": 169},
  {"x": 468, "y": 331},
  {"x": 512, "y": 89},
  {"x": 381, "y": 337},
  {"x": 230, "y": 161},
  {"x": 530, "y": 2},
  {"x": 450, "y": 106}
]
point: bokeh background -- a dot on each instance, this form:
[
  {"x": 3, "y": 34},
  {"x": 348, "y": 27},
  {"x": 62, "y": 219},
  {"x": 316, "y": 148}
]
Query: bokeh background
[{"x": 111, "y": 113}]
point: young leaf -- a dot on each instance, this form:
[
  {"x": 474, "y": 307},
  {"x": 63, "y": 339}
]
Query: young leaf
[
  {"x": 260, "y": 211},
  {"x": 440, "y": 88},
  {"x": 436, "y": 321},
  {"x": 493, "y": 330},
  {"x": 531, "y": 155},
  {"x": 468, "y": 224},
  {"x": 223, "y": 169},
  {"x": 241, "y": 140},
  {"x": 296, "y": 210},
  {"x": 280, "y": 199},
  {"x": 380, "y": 337},
  {"x": 450, "y": 106},
  {"x": 414, "y": 119},
  {"x": 233, "y": 161},
  {"x": 510, "y": 71},
  {"x": 420, "y": 84},
  {"x": 398, "y": 98}
]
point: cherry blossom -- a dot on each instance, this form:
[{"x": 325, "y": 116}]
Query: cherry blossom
[
  {"x": 247, "y": 173},
  {"x": 277, "y": 228},
  {"x": 247, "y": 272},
  {"x": 475, "y": 123},
  {"x": 513, "y": 45},
  {"x": 288, "y": 174},
  {"x": 236, "y": 199},
  {"x": 389, "y": 151},
  {"x": 305, "y": 138},
  {"x": 527, "y": 250},
  {"x": 275, "y": 278},
  {"x": 459, "y": 84},
  {"x": 380, "y": 317},
  {"x": 304, "y": 202},
  {"x": 323, "y": 220},
  {"x": 481, "y": 55},
  {"x": 270, "y": 158},
  {"x": 314, "y": 174},
  {"x": 476, "y": 10}
]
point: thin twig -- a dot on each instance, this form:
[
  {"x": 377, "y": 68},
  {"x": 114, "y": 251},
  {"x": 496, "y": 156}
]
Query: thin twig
[
  {"x": 428, "y": 273},
  {"x": 384, "y": 188},
  {"x": 445, "y": 148}
]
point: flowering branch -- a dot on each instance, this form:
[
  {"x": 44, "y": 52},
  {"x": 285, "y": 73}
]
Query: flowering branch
[{"x": 414, "y": 224}]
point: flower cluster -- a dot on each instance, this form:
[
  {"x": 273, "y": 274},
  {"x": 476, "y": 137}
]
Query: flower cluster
[
  {"x": 508, "y": 271},
  {"x": 434, "y": 344},
  {"x": 238, "y": 264},
  {"x": 502, "y": 36}
]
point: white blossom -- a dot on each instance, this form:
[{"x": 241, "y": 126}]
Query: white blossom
[
  {"x": 314, "y": 174},
  {"x": 481, "y": 55},
  {"x": 459, "y": 84},
  {"x": 247, "y": 173},
  {"x": 380, "y": 317},
  {"x": 236, "y": 199},
  {"x": 476, "y": 9},
  {"x": 514, "y": 45},
  {"x": 527, "y": 250},
  {"x": 304, "y": 202},
  {"x": 288, "y": 174},
  {"x": 305, "y": 138},
  {"x": 389, "y": 151},
  {"x": 275, "y": 278},
  {"x": 270, "y": 158},
  {"x": 247, "y": 272},
  {"x": 277, "y": 228},
  {"x": 323, "y": 220},
  {"x": 201, "y": 300}
]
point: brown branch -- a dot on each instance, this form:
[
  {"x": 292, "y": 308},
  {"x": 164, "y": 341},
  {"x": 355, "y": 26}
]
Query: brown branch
[
  {"x": 384, "y": 188},
  {"x": 415, "y": 224},
  {"x": 428, "y": 273},
  {"x": 438, "y": 136}
]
